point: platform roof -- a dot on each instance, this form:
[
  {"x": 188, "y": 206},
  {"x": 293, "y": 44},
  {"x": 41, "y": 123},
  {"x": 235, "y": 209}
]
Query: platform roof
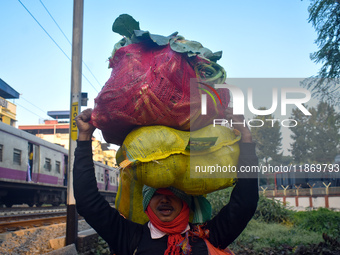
[
  {"x": 59, "y": 114},
  {"x": 7, "y": 91}
]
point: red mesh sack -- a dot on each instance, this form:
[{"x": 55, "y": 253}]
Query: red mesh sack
[{"x": 150, "y": 85}]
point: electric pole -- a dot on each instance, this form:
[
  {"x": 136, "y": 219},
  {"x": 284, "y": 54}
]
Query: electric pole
[{"x": 76, "y": 74}]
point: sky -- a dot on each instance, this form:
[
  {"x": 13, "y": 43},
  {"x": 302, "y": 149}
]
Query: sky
[{"x": 259, "y": 39}]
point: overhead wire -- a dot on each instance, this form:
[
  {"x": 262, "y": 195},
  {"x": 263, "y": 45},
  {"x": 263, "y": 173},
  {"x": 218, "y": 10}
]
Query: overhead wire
[
  {"x": 68, "y": 40},
  {"x": 45, "y": 30},
  {"x": 29, "y": 111},
  {"x": 55, "y": 22},
  {"x": 100, "y": 134},
  {"x": 32, "y": 104},
  {"x": 60, "y": 50},
  {"x": 55, "y": 42}
]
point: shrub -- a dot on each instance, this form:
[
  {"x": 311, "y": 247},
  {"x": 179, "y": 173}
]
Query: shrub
[
  {"x": 268, "y": 210},
  {"x": 218, "y": 199},
  {"x": 270, "y": 238},
  {"x": 272, "y": 211},
  {"x": 321, "y": 220}
]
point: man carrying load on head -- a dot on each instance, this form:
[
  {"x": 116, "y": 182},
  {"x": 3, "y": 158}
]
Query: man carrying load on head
[{"x": 168, "y": 209}]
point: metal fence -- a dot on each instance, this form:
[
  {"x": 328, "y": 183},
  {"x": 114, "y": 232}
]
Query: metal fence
[{"x": 332, "y": 191}]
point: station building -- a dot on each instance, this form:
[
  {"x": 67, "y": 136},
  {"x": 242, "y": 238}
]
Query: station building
[{"x": 7, "y": 109}]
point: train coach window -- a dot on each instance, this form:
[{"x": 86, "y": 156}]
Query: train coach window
[
  {"x": 57, "y": 166},
  {"x": 1, "y": 146},
  {"x": 48, "y": 165},
  {"x": 17, "y": 157}
]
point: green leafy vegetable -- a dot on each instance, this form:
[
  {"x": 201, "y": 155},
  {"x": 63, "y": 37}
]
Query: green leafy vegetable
[
  {"x": 125, "y": 25},
  {"x": 160, "y": 40}
]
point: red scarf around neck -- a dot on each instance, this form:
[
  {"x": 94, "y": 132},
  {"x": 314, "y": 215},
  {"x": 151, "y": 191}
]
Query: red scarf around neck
[{"x": 173, "y": 228}]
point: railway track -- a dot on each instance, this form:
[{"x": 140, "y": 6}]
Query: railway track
[
  {"x": 30, "y": 210},
  {"x": 22, "y": 219}
]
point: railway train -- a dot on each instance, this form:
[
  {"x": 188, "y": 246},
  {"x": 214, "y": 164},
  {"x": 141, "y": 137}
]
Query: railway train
[{"x": 34, "y": 171}]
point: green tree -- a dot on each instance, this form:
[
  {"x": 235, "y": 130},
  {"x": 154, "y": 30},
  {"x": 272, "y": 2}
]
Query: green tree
[
  {"x": 284, "y": 160},
  {"x": 316, "y": 137},
  {"x": 267, "y": 138},
  {"x": 300, "y": 146},
  {"x": 324, "y": 15}
]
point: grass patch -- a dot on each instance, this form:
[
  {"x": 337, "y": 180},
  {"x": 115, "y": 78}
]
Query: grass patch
[
  {"x": 260, "y": 235},
  {"x": 321, "y": 221},
  {"x": 275, "y": 229}
]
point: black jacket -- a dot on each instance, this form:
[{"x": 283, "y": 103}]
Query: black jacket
[{"x": 125, "y": 236}]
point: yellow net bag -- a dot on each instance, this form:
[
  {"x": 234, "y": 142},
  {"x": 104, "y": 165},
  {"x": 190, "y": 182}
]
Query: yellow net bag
[
  {"x": 129, "y": 199},
  {"x": 160, "y": 156}
]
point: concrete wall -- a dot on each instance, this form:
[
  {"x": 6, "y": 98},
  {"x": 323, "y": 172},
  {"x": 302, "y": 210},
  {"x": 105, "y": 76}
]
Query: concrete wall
[{"x": 303, "y": 202}]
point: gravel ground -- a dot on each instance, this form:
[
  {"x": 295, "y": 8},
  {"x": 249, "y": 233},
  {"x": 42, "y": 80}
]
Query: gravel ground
[{"x": 32, "y": 243}]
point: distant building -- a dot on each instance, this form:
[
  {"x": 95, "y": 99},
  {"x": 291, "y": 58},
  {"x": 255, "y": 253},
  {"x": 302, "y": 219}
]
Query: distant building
[
  {"x": 7, "y": 109},
  {"x": 51, "y": 131},
  {"x": 103, "y": 154},
  {"x": 54, "y": 131},
  {"x": 57, "y": 132}
]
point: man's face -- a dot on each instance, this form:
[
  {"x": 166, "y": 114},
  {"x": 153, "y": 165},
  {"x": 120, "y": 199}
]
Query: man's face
[{"x": 166, "y": 207}]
